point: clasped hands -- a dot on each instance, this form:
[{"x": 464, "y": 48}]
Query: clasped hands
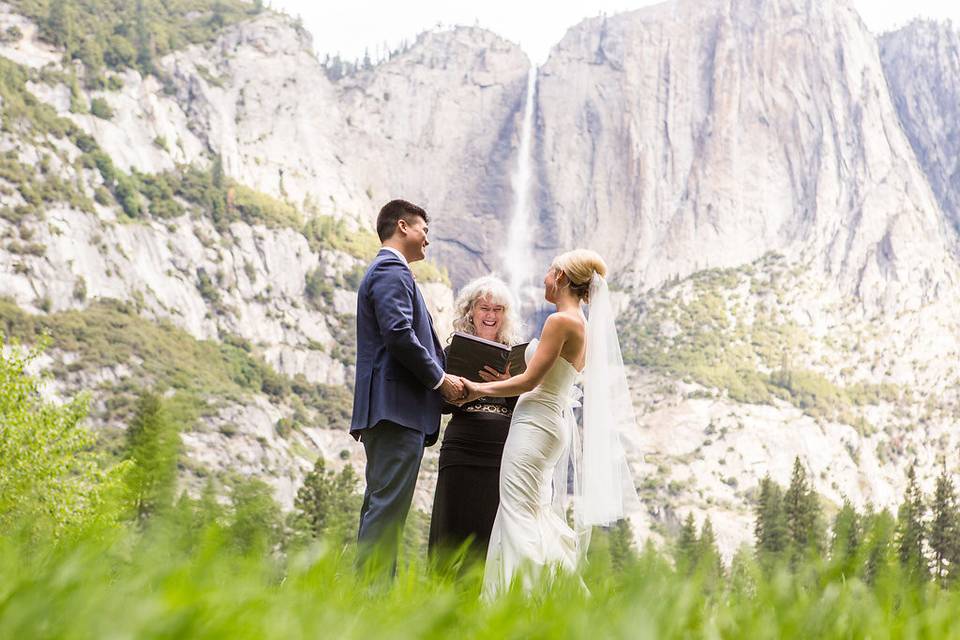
[{"x": 459, "y": 391}]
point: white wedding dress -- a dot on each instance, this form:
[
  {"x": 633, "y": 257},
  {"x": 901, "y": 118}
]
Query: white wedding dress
[{"x": 530, "y": 532}]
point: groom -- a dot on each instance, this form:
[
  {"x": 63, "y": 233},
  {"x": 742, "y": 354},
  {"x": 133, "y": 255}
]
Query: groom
[{"x": 400, "y": 380}]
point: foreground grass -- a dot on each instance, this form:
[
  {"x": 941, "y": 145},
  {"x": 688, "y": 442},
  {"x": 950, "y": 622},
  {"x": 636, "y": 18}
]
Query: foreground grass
[{"x": 136, "y": 586}]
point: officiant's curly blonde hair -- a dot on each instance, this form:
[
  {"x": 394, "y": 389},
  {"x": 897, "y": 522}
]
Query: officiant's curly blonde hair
[
  {"x": 499, "y": 293},
  {"x": 579, "y": 266}
]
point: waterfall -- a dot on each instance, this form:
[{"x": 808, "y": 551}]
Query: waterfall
[{"x": 518, "y": 256}]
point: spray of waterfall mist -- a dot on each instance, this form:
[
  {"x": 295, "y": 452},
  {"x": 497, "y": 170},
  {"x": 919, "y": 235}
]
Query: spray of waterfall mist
[{"x": 519, "y": 254}]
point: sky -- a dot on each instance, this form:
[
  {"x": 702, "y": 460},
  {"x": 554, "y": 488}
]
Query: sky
[{"x": 350, "y": 27}]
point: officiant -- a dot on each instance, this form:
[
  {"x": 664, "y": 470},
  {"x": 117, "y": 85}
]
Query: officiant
[{"x": 467, "y": 494}]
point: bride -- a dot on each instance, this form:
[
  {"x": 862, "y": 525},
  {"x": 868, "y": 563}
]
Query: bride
[{"x": 530, "y": 531}]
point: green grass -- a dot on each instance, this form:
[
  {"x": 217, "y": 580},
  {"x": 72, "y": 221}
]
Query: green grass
[{"x": 143, "y": 586}]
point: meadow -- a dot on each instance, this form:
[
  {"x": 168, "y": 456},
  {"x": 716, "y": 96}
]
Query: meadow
[{"x": 105, "y": 548}]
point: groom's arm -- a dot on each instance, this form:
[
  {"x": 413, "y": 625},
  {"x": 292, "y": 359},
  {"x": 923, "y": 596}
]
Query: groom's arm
[{"x": 392, "y": 295}]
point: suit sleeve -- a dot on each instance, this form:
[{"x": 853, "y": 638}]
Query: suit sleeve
[{"x": 392, "y": 296}]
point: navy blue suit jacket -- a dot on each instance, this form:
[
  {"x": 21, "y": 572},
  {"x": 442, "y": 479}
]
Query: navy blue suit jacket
[{"x": 399, "y": 357}]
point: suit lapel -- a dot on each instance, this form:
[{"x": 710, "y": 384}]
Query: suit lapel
[{"x": 384, "y": 254}]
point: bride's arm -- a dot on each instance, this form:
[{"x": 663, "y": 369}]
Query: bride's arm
[{"x": 554, "y": 335}]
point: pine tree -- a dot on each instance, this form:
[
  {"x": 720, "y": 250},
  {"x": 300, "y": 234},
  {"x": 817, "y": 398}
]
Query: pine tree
[
  {"x": 60, "y": 27},
  {"x": 153, "y": 446},
  {"x": 911, "y": 531},
  {"x": 943, "y": 527},
  {"x": 847, "y": 537},
  {"x": 709, "y": 564},
  {"x": 91, "y": 54},
  {"x": 801, "y": 511},
  {"x": 216, "y": 171},
  {"x": 144, "y": 39},
  {"x": 744, "y": 573},
  {"x": 684, "y": 554},
  {"x": 879, "y": 530},
  {"x": 622, "y": 553},
  {"x": 218, "y": 16},
  {"x": 328, "y": 503},
  {"x": 255, "y": 527},
  {"x": 770, "y": 528}
]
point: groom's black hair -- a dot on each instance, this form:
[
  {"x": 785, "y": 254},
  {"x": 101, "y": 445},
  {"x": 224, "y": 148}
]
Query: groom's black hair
[{"x": 394, "y": 211}]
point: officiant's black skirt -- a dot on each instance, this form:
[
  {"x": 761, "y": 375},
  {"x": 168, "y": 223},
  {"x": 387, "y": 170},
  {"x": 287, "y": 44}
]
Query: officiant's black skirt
[{"x": 468, "y": 485}]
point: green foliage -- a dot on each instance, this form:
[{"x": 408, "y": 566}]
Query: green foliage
[
  {"x": 693, "y": 330},
  {"x": 256, "y": 526},
  {"x": 318, "y": 289},
  {"x": 685, "y": 547},
  {"x": 221, "y": 199},
  {"x": 50, "y": 479},
  {"x": 11, "y": 34},
  {"x": 620, "y": 542},
  {"x": 708, "y": 562},
  {"x": 327, "y": 232},
  {"x": 770, "y": 530},
  {"x": 254, "y": 207},
  {"x": 199, "y": 372},
  {"x": 426, "y": 271},
  {"x": 911, "y": 530},
  {"x": 153, "y": 448},
  {"x": 328, "y": 505},
  {"x": 199, "y": 582},
  {"x": 23, "y": 112},
  {"x": 788, "y": 524},
  {"x": 101, "y": 108},
  {"x": 801, "y": 514},
  {"x": 698, "y": 555},
  {"x": 880, "y": 551},
  {"x": 944, "y": 534},
  {"x": 35, "y": 122},
  {"x": 129, "y": 34},
  {"x": 847, "y": 539}
]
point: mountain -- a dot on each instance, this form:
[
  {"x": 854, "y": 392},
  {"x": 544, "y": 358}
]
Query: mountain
[
  {"x": 435, "y": 124},
  {"x": 773, "y": 187},
  {"x": 715, "y": 132},
  {"x": 922, "y": 66}
]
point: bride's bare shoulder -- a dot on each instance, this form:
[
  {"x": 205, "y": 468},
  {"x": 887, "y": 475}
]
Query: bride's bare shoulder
[{"x": 567, "y": 322}]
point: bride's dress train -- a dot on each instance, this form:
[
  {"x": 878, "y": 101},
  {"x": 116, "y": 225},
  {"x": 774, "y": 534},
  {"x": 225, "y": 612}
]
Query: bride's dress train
[{"x": 530, "y": 531}]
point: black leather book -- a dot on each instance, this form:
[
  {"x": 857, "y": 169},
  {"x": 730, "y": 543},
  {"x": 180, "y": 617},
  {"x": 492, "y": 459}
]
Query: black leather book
[{"x": 467, "y": 355}]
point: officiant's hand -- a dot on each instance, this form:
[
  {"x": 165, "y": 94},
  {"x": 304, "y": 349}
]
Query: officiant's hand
[{"x": 489, "y": 374}]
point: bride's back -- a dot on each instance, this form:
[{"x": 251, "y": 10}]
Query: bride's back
[{"x": 574, "y": 349}]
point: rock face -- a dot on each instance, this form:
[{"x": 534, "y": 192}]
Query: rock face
[
  {"x": 242, "y": 280},
  {"x": 434, "y": 125},
  {"x": 710, "y": 133},
  {"x": 922, "y": 65},
  {"x": 440, "y": 123},
  {"x": 685, "y": 136}
]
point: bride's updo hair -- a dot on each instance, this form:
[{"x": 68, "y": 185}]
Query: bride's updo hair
[{"x": 579, "y": 266}]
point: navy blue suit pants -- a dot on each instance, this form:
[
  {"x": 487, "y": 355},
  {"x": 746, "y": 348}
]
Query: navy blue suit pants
[{"x": 393, "y": 462}]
